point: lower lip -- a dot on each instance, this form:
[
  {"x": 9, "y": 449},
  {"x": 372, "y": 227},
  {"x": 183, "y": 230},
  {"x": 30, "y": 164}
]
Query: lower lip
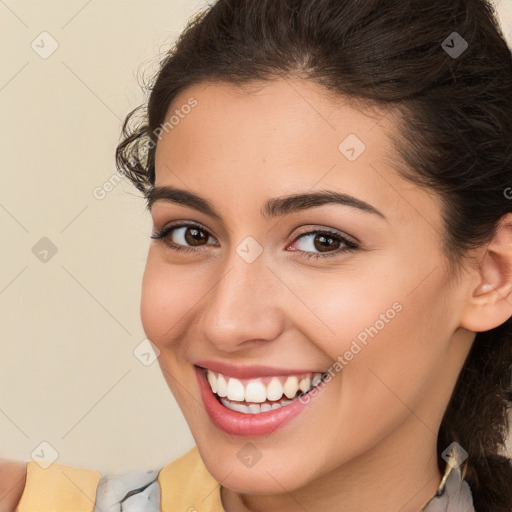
[{"x": 240, "y": 424}]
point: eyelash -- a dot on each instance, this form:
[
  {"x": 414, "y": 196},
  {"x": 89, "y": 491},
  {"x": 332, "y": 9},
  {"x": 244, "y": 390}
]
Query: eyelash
[{"x": 351, "y": 246}]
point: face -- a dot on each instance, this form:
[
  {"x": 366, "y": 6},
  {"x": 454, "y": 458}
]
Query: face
[{"x": 268, "y": 291}]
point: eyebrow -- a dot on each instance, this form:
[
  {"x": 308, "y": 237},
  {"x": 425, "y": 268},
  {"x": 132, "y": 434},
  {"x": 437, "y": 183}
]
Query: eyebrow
[{"x": 274, "y": 207}]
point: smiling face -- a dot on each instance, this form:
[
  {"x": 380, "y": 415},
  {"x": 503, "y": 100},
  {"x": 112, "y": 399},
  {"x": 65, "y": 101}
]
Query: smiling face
[{"x": 367, "y": 297}]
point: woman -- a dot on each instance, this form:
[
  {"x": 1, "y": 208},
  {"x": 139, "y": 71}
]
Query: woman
[{"x": 330, "y": 274}]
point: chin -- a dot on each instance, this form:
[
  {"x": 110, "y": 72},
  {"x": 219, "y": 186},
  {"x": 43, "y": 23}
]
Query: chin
[{"x": 273, "y": 473}]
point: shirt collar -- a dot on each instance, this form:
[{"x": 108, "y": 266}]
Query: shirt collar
[{"x": 452, "y": 495}]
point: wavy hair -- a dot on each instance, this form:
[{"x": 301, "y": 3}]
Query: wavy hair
[{"x": 455, "y": 119}]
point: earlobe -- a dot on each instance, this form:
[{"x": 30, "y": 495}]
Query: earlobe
[{"x": 490, "y": 302}]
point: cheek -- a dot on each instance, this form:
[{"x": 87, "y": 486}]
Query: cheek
[
  {"x": 387, "y": 346},
  {"x": 376, "y": 307},
  {"x": 379, "y": 327},
  {"x": 393, "y": 355},
  {"x": 336, "y": 309},
  {"x": 167, "y": 299}
]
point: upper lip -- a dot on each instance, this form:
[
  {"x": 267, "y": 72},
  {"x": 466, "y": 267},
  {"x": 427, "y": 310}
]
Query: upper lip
[{"x": 252, "y": 371}]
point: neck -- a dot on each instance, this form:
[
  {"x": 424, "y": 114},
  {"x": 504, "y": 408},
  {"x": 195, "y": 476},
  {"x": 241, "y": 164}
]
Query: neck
[{"x": 400, "y": 474}]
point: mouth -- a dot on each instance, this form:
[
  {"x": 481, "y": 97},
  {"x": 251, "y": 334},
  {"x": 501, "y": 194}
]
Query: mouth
[
  {"x": 252, "y": 396},
  {"x": 256, "y": 406}
]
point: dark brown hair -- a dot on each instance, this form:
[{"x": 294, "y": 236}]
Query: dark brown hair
[{"x": 455, "y": 121}]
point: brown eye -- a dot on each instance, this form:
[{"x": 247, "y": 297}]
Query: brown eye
[
  {"x": 194, "y": 236},
  {"x": 183, "y": 237},
  {"x": 321, "y": 242},
  {"x": 191, "y": 237}
]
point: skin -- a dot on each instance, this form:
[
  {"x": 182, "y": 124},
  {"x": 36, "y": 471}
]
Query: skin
[
  {"x": 370, "y": 437},
  {"x": 12, "y": 482}
]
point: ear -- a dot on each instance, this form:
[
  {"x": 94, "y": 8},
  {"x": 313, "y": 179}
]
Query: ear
[{"x": 490, "y": 302}]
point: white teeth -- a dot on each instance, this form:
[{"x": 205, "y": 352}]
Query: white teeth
[
  {"x": 274, "y": 389},
  {"x": 254, "y": 392},
  {"x": 305, "y": 384},
  {"x": 254, "y": 408},
  {"x": 222, "y": 387},
  {"x": 291, "y": 386},
  {"x": 235, "y": 406},
  {"x": 235, "y": 390},
  {"x": 212, "y": 381}
]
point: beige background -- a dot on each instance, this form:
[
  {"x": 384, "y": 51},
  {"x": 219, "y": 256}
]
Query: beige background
[{"x": 70, "y": 324}]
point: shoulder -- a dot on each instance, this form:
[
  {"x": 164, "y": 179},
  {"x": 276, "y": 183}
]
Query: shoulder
[
  {"x": 60, "y": 487},
  {"x": 184, "y": 482},
  {"x": 54, "y": 486},
  {"x": 12, "y": 483}
]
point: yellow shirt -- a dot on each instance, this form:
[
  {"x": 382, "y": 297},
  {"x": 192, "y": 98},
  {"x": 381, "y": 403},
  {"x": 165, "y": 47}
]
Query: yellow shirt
[
  {"x": 183, "y": 485},
  {"x": 186, "y": 485}
]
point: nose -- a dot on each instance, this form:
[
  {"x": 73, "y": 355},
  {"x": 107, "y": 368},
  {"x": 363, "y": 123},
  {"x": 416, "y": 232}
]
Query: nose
[{"x": 243, "y": 307}]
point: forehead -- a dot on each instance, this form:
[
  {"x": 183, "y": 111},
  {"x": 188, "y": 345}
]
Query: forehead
[
  {"x": 264, "y": 116},
  {"x": 282, "y": 137}
]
